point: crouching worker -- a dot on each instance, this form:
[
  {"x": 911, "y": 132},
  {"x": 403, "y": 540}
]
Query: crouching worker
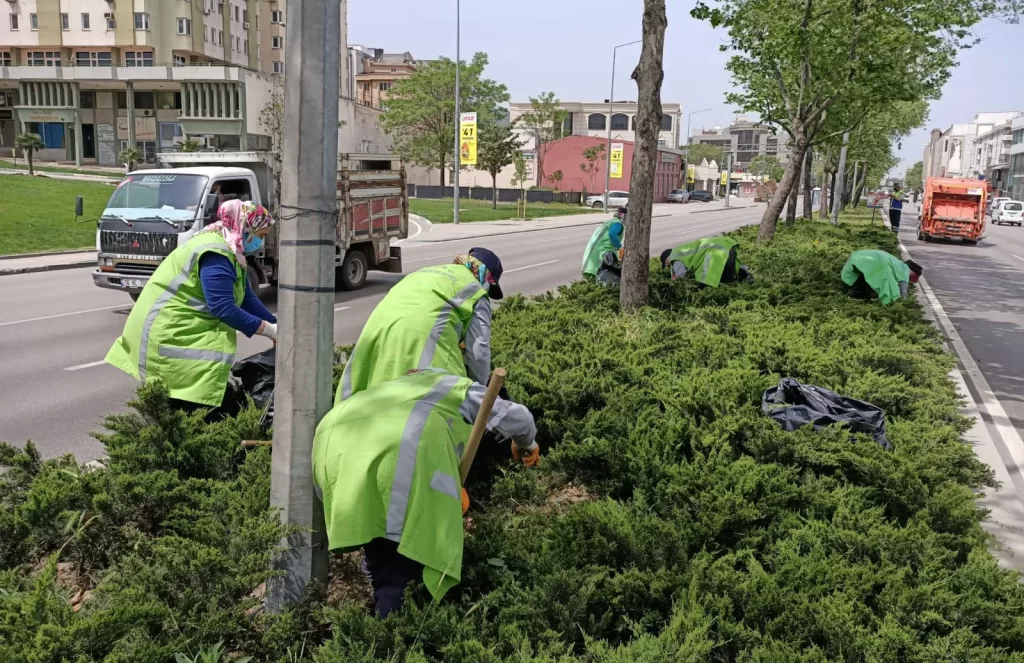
[
  {"x": 602, "y": 257},
  {"x": 711, "y": 261},
  {"x": 386, "y": 464},
  {"x": 871, "y": 272},
  {"x": 182, "y": 329}
]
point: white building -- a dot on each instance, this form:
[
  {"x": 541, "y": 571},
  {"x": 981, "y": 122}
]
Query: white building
[
  {"x": 591, "y": 118},
  {"x": 960, "y": 150}
]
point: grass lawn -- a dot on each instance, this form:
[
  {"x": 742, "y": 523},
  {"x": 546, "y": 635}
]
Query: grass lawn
[
  {"x": 21, "y": 165},
  {"x": 38, "y": 214},
  {"x": 440, "y": 211}
]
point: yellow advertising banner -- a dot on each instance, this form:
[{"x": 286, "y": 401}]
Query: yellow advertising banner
[
  {"x": 725, "y": 178},
  {"x": 615, "y": 162},
  {"x": 467, "y": 139},
  {"x": 691, "y": 174}
]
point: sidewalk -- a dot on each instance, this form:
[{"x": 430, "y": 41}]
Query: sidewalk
[
  {"x": 45, "y": 262},
  {"x": 102, "y": 179}
]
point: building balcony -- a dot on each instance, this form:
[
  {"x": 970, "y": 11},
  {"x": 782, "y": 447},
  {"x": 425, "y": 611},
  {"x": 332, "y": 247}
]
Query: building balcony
[{"x": 160, "y": 73}]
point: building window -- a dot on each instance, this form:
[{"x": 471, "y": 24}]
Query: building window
[
  {"x": 597, "y": 122},
  {"x": 278, "y": 67},
  {"x": 138, "y": 59},
  {"x": 14, "y": 22},
  {"x": 220, "y": 37},
  {"x": 33, "y": 21},
  {"x": 394, "y": 70},
  {"x": 111, "y": 21},
  {"x": 86, "y": 99},
  {"x": 238, "y": 44},
  {"x": 257, "y": 22},
  {"x": 5, "y": 59},
  {"x": 620, "y": 122},
  {"x": 168, "y": 100},
  {"x": 275, "y": 16},
  {"x": 276, "y": 42},
  {"x": 93, "y": 59},
  {"x": 245, "y": 16},
  {"x": 238, "y": 13},
  {"x": 184, "y": 26},
  {"x": 141, "y": 21},
  {"x": 43, "y": 58},
  {"x": 86, "y": 22},
  {"x": 180, "y": 61},
  {"x": 666, "y": 122},
  {"x": 385, "y": 86},
  {"x": 206, "y": 34},
  {"x": 220, "y": 8},
  {"x": 145, "y": 100},
  {"x": 945, "y": 146},
  {"x": 245, "y": 47},
  {"x": 65, "y": 22}
]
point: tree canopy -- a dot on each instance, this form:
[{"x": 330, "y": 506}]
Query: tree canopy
[
  {"x": 697, "y": 152},
  {"x": 420, "y": 114},
  {"x": 544, "y": 122},
  {"x": 913, "y": 177},
  {"x": 498, "y": 145}
]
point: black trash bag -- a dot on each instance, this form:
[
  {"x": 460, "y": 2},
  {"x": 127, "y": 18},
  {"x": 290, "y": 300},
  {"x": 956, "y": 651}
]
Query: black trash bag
[
  {"x": 610, "y": 271},
  {"x": 794, "y": 405},
  {"x": 254, "y": 376}
]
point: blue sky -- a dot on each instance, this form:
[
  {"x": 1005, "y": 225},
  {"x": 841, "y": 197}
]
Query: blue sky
[{"x": 566, "y": 46}]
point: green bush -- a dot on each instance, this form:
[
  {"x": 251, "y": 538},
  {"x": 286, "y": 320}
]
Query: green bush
[{"x": 669, "y": 521}]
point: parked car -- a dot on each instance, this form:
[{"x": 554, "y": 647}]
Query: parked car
[
  {"x": 615, "y": 199},
  {"x": 678, "y": 196},
  {"x": 1008, "y": 211},
  {"x": 701, "y": 196},
  {"x": 993, "y": 203}
]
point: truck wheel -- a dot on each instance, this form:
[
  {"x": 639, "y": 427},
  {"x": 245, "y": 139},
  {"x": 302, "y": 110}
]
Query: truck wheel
[
  {"x": 920, "y": 236},
  {"x": 253, "y": 277},
  {"x": 352, "y": 272}
]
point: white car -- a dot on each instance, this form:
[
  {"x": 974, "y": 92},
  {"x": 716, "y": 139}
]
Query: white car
[
  {"x": 993, "y": 203},
  {"x": 615, "y": 199},
  {"x": 1008, "y": 211}
]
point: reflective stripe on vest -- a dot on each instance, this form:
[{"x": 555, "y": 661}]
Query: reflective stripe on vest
[
  {"x": 405, "y": 466},
  {"x": 427, "y": 356},
  {"x": 166, "y": 295}
]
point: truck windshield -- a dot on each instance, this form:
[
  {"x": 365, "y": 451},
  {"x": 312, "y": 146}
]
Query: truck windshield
[{"x": 172, "y": 197}]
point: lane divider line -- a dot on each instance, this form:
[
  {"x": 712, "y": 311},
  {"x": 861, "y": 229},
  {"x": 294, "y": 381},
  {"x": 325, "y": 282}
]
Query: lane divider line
[
  {"x": 89, "y": 365},
  {"x": 539, "y": 264},
  {"x": 63, "y": 315},
  {"x": 341, "y": 308}
]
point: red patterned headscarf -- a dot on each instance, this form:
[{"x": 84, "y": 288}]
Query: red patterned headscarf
[{"x": 236, "y": 219}]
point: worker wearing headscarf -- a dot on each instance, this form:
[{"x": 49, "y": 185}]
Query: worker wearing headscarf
[
  {"x": 607, "y": 238},
  {"x": 436, "y": 317},
  {"x": 873, "y": 272},
  {"x": 386, "y": 465},
  {"x": 182, "y": 330},
  {"x": 711, "y": 261}
]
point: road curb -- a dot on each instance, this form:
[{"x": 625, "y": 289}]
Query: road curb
[
  {"x": 12, "y": 271},
  {"x": 723, "y": 209},
  {"x": 42, "y": 254},
  {"x": 1006, "y": 508}
]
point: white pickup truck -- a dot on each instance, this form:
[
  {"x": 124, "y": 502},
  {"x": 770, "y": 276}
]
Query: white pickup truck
[{"x": 153, "y": 211}]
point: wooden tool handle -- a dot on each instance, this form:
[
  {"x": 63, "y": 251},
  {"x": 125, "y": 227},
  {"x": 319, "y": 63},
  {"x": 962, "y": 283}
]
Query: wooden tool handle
[
  {"x": 480, "y": 425},
  {"x": 249, "y": 444}
]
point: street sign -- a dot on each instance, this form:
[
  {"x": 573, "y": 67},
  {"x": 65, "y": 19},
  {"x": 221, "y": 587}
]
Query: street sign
[
  {"x": 875, "y": 200},
  {"x": 467, "y": 139},
  {"x": 616, "y": 161}
]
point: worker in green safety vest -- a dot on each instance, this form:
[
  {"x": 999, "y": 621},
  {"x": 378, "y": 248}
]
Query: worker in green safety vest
[
  {"x": 605, "y": 245},
  {"x": 386, "y": 465},
  {"x": 436, "y": 317},
  {"x": 182, "y": 329},
  {"x": 711, "y": 261},
  {"x": 872, "y": 272}
]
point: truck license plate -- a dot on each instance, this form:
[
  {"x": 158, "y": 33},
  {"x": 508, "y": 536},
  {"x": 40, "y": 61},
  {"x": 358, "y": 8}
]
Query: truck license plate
[{"x": 132, "y": 283}]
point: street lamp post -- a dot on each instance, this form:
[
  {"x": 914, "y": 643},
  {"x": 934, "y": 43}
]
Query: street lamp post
[
  {"x": 458, "y": 117},
  {"x": 611, "y": 107}
]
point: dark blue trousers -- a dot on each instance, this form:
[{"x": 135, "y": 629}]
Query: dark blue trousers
[{"x": 390, "y": 573}]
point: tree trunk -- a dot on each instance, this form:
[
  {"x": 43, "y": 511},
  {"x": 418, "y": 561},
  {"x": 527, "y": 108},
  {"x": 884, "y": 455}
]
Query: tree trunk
[
  {"x": 832, "y": 190},
  {"x": 823, "y": 210},
  {"x": 540, "y": 164},
  {"x": 441, "y": 176},
  {"x": 788, "y": 183},
  {"x": 648, "y": 75},
  {"x": 31, "y": 171},
  {"x": 808, "y": 184},
  {"x": 794, "y": 193},
  {"x": 494, "y": 187},
  {"x": 860, "y": 185}
]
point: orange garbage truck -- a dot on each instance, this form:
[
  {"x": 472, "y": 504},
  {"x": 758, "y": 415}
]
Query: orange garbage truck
[{"x": 953, "y": 208}]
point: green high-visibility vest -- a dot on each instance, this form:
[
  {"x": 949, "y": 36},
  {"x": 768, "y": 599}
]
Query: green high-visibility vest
[
  {"x": 600, "y": 243},
  {"x": 170, "y": 334},
  {"x": 882, "y": 271},
  {"x": 386, "y": 462},
  {"x": 418, "y": 325},
  {"x": 705, "y": 258}
]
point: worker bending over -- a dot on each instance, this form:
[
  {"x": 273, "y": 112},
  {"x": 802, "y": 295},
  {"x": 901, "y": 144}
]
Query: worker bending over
[
  {"x": 386, "y": 465},
  {"x": 873, "y": 272},
  {"x": 436, "y": 317},
  {"x": 183, "y": 326},
  {"x": 607, "y": 239},
  {"x": 711, "y": 261}
]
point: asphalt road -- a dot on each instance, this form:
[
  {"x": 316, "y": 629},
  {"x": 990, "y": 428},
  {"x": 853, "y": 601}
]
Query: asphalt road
[{"x": 56, "y": 327}]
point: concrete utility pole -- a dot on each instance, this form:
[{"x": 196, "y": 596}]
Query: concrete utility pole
[
  {"x": 728, "y": 178},
  {"x": 837, "y": 195},
  {"x": 853, "y": 187},
  {"x": 611, "y": 107},
  {"x": 458, "y": 115},
  {"x": 305, "y": 351}
]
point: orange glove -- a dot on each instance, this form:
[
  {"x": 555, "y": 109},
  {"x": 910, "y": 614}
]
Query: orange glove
[
  {"x": 622, "y": 252},
  {"x": 529, "y": 457},
  {"x": 465, "y": 501}
]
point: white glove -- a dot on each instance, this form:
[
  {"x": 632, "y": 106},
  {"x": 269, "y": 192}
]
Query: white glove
[{"x": 268, "y": 329}]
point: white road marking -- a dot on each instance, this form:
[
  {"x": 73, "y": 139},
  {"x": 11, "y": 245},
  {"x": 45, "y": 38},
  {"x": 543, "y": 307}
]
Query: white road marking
[
  {"x": 62, "y": 315},
  {"x": 548, "y": 241},
  {"x": 341, "y": 308},
  {"x": 1017, "y": 257},
  {"x": 89, "y": 365},
  {"x": 539, "y": 264},
  {"x": 419, "y": 229},
  {"x": 447, "y": 255}
]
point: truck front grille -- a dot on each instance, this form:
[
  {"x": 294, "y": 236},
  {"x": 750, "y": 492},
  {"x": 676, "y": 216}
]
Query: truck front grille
[{"x": 127, "y": 242}]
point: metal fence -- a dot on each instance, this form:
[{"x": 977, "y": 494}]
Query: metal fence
[{"x": 434, "y": 192}]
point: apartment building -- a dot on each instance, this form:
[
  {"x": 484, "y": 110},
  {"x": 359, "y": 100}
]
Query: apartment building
[
  {"x": 744, "y": 140},
  {"x": 1014, "y": 186},
  {"x": 592, "y": 118},
  {"x": 376, "y": 72},
  {"x": 91, "y": 77},
  {"x": 959, "y": 151}
]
